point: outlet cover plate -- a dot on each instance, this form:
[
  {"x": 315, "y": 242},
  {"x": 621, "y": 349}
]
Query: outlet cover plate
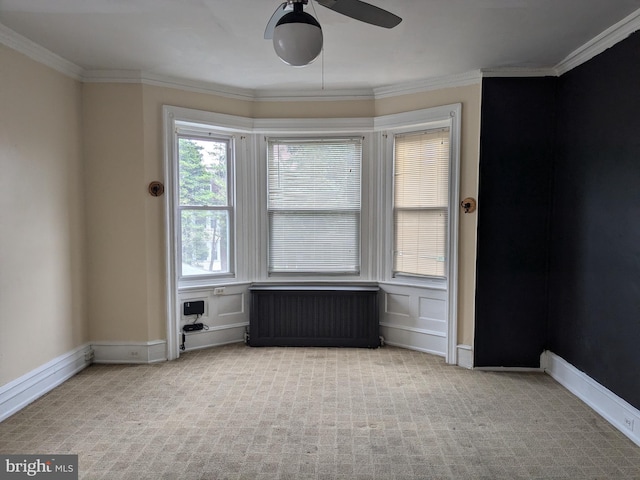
[{"x": 628, "y": 420}]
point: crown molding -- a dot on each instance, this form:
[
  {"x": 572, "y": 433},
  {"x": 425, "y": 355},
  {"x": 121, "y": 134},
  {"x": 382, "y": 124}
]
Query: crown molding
[
  {"x": 146, "y": 78},
  {"x": 607, "y": 39},
  {"x": 134, "y": 76},
  {"x": 519, "y": 72},
  {"x": 38, "y": 53},
  {"x": 436, "y": 83},
  {"x": 138, "y": 76}
]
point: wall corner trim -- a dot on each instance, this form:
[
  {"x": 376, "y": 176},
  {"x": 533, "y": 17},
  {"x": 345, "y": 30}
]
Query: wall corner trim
[
  {"x": 130, "y": 352},
  {"x": 19, "y": 393},
  {"x": 614, "y": 409}
]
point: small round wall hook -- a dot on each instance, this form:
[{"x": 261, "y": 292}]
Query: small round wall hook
[
  {"x": 468, "y": 205},
  {"x": 156, "y": 189}
]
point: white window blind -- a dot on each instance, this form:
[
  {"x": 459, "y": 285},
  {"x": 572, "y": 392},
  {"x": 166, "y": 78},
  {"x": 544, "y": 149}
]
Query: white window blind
[
  {"x": 313, "y": 205},
  {"x": 421, "y": 197}
]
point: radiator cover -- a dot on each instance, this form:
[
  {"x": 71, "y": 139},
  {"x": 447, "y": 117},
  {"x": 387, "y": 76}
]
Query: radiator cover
[{"x": 314, "y": 316}]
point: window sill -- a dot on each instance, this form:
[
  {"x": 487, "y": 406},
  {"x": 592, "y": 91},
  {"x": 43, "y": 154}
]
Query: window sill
[
  {"x": 191, "y": 286},
  {"x": 432, "y": 283}
]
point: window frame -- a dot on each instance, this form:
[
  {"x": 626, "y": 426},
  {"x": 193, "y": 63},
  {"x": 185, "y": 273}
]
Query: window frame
[
  {"x": 207, "y": 134},
  {"x": 197, "y": 124},
  {"x": 446, "y": 116},
  {"x": 317, "y": 128},
  {"x": 317, "y": 139},
  {"x": 395, "y": 209}
]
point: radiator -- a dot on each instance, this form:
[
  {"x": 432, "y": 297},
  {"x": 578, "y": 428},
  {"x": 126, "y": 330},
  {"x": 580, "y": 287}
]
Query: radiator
[{"x": 314, "y": 316}]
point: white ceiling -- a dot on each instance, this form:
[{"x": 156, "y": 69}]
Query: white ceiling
[{"x": 221, "y": 42}]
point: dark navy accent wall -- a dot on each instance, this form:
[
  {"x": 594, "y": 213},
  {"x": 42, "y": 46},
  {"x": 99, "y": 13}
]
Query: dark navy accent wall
[
  {"x": 559, "y": 221},
  {"x": 594, "y": 303},
  {"x": 516, "y": 160}
]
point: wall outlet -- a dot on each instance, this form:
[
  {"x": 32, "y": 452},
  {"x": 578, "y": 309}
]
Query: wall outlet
[
  {"x": 218, "y": 291},
  {"x": 628, "y": 420},
  {"x": 133, "y": 353}
]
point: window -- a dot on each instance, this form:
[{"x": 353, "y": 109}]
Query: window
[
  {"x": 313, "y": 205},
  {"x": 205, "y": 205},
  {"x": 297, "y": 200},
  {"x": 420, "y": 205}
]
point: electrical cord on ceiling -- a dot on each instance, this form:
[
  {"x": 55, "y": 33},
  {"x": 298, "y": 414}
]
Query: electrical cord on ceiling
[{"x": 322, "y": 66}]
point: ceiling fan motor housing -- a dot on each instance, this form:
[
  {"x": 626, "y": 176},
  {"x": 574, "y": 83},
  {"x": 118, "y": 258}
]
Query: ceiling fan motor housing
[{"x": 297, "y": 38}]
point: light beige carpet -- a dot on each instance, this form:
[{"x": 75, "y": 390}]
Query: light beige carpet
[{"x": 236, "y": 412}]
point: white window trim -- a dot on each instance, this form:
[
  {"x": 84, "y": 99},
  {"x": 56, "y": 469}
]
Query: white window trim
[
  {"x": 319, "y": 139},
  {"x": 388, "y": 126},
  {"x": 189, "y": 132},
  {"x": 376, "y": 259},
  {"x": 366, "y": 232},
  {"x": 222, "y": 124}
]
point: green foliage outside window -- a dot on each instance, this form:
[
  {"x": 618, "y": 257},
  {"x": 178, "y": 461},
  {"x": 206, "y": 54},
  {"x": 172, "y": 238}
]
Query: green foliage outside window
[{"x": 203, "y": 189}]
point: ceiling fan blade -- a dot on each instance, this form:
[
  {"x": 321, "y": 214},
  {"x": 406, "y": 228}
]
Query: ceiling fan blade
[
  {"x": 277, "y": 15},
  {"x": 362, "y": 11}
]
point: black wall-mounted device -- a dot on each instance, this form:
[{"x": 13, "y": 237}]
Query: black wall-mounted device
[
  {"x": 193, "y": 327},
  {"x": 193, "y": 308}
]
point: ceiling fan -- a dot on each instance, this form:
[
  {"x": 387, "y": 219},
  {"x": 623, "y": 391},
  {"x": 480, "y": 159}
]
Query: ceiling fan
[{"x": 297, "y": 36}]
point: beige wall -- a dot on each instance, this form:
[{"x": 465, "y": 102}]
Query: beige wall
[
  {"x": 116, "y": 222},
  {"x": 42, "y": 246},
  {"x": 322, "y": 109}
]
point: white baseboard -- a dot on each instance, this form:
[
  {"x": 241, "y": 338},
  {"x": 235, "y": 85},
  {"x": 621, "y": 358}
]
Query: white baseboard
[
  {"x": 465, "y": 356},
  {"x": 20, "y": 392},
  {"x": 130, "y": 352},
  {"x": 414, "y": 339},
  {"x": 413, "y": 347},
  {"x": 614, "y": 409},
  {"x": 509, "y": 369}
]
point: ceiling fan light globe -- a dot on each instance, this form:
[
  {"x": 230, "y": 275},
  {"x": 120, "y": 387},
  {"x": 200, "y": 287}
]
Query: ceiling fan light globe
[{"x": 297, "y": 43}]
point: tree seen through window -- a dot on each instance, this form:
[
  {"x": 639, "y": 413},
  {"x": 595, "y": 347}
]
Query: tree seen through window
[{"x": 204, "y": 205}]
